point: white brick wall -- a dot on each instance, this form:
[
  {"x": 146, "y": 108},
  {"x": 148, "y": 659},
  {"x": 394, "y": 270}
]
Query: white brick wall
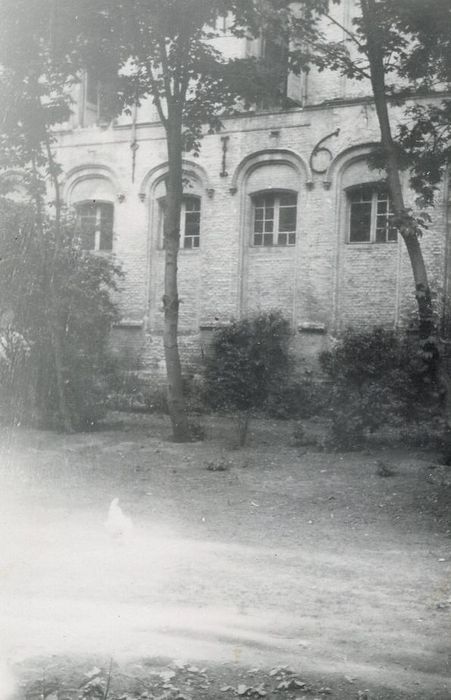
[{"x": 321, "y": 280}]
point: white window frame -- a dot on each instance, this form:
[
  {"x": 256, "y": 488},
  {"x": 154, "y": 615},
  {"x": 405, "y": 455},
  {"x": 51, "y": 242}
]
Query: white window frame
[
  {"x": 376, "y": 191},
  {"x": 277, "y": 194},
  {"x": 98, "y": 224},
  {"x": 183, "y": 213}
]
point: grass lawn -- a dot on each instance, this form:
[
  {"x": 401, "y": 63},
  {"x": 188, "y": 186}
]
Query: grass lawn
[{"x": 287, "y": 557}]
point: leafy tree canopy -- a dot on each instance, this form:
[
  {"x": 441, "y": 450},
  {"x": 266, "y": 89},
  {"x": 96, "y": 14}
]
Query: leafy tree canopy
[{"x": 414, "y": 38}]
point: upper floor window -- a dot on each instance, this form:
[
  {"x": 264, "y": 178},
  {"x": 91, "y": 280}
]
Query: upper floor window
[
  {"x": 274, "y": 219},
  {"x": 94, "y": 101},
  {"x": 189, "y": 222},
  {"x": 95, "y": 225},
  {"x": 370, "y": 215}
]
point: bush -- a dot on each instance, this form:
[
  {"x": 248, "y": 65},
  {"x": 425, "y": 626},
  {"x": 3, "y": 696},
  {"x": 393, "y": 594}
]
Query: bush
[
  {"x": 247, "y": 360},
  {"x": 52, "y": 292},
  {"x": 377, "y": 378},
  {"x": 302, "y": 399}
]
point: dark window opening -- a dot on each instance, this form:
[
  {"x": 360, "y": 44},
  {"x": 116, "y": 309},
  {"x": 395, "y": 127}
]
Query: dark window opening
[
  {"x": 189, "y": 222},
  {"x": 95, "y": 225},
  {"x": 371, "y": 216}
]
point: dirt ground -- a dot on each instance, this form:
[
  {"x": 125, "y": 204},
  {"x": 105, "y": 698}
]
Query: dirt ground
[{"x": 290, "y": 556}]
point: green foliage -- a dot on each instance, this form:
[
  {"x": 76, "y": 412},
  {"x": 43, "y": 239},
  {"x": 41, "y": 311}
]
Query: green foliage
[
  {"x": 425, "y": 136},
  {"x": 50, "y": 288},
  {"x": 413, "y": 41},
  {"x": 377, "y": 378},
  {"x": 296, "y": 399},
  {"x": 247, "y": 360}
]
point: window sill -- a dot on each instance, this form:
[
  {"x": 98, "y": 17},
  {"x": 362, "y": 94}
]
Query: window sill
[
  {"x": 182, "y": 251},
  {"x": 100, "y": 253},
  {"x": 272, "y": 247},
  {"x": 367, "y": 244},
  {"x": 129, "y": 323},
  {"x": 311, "y": 327}
]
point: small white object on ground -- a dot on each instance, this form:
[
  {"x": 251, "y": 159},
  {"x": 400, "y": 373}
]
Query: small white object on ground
[{"x": 117, "y": 524}]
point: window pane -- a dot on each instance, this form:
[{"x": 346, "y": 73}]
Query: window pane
[
  {"x": 263, "y": 219},
  {"x": 360, "y": 222},
  {"x": 286, "y": 239},
  {"x": 192, "y": 204},
  {"x": 106, "y": 238},
  {"x": 381, "y": 234},
  {"x": 385, "y": 231},
  {"x": 288, "y": 200},
  {"x": 105, "y": 215},
  {"x": 361, "y": 194},
  {"x": 192, "y": 224},
  {"x": 191, "y": 214},
  {"x": 86, "y": 224},
  {"x": 287, "y": 218},
  {"x": 87, "y": 235},
  {"x": 392, "y": 233}
]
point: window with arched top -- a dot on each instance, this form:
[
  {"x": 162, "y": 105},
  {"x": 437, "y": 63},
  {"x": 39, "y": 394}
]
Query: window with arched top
[
  {"x": 274, "y": 217},
  {"x": 272, "y": 204},
  {"x": 370, "y": 214},
  {"x": 95, "y": 222},
  {"x": 91, "y": 196},
  {"x": 189, "y": 221}
]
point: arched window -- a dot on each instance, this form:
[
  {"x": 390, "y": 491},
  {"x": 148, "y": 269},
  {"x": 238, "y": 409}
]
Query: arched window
[
  {"x": 95, "y": 224},
  {"x": 189, "y": 221},
  {"x": 370, "y": 214},
  {"x": 274, "y": 218}
]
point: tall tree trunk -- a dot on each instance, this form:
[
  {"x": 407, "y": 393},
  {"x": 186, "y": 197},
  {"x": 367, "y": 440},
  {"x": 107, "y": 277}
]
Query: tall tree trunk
[
  {"x": 52, "y": 317},
  {"x": 428, "y": 331},
  {"x": 408, "y": 232},
  {"x": 171, "y": 302},
  {"x": 55, "y": 330}
]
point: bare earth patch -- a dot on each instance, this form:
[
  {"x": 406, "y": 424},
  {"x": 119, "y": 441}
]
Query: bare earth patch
[{"x": 281, "y": 557}]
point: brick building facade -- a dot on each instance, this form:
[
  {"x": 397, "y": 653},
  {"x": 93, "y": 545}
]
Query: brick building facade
[{"x": 281, "y": 212}]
